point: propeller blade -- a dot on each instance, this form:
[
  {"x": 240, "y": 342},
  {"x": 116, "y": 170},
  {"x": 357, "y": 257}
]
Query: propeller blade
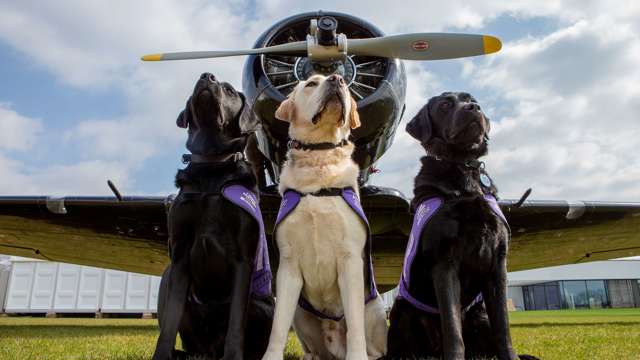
[
  {"x": 425, "y": 46},
  {"x": 298, "y": 48}
]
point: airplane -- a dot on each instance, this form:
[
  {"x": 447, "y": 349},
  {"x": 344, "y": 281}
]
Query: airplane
[{"x": 129, "y": 233}]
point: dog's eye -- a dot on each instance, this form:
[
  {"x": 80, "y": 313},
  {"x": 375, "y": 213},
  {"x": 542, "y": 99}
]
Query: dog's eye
[
  {"x": 311, "y": 84},
  {"x": 445, "y": 105},
  {"x": 228, "y": 89}
]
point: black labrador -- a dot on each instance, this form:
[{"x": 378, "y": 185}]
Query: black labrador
[
  {"x": 205, "y": 293},
  {"x": 458, "y": 258}
]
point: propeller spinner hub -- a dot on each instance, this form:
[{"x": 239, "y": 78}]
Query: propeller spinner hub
[
  {"x": 305, "y": 68},
  {"x": 323, "y": 43},
  {"x": 326, "y": 32}
]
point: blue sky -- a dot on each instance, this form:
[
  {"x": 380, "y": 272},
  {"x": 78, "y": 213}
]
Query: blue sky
[{"x": 77, "y": 107}]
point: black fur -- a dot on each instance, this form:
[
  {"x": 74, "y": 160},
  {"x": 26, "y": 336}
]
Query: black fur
[
  {"x": 204, "y": 292},
  {"x": 462, "y": 249}
]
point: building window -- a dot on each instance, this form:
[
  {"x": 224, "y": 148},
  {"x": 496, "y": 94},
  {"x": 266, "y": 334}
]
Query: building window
[
  {"x": 539, "y": 297},
  {"x": 597, "y": 294},
  {"x": 620, "y": 293},
  {"x": 542, "y": 296},
  {"x": 582, "y": 294},
  {"x": 529, "y": 303},
  {"x": 552, "y": 291},
  {"x": 574, "y": 294}
]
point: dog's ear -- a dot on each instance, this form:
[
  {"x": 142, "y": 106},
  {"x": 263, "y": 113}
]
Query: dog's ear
[
  {"x": 185, "y": 117},
  {"x": 420, "y": 126},
  {"x": 248, "y": 120},
  {"x": 354, "y": 117},
  {"x": 286, "y": 111}
]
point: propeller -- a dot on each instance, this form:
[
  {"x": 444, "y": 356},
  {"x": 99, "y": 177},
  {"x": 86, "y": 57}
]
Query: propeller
[
  {"x": 324, "y": 44},
  {"x": 298, "y": 48},
  {"x": 425, "y": 46}
]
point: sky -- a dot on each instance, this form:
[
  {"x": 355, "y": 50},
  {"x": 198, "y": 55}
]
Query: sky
[{"x": 77, "y": 107}]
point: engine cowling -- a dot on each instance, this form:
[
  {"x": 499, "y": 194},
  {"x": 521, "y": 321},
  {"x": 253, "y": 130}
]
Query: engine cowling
[{"x": 377, "y": 84}]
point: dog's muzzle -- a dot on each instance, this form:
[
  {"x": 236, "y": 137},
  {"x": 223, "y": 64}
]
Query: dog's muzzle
[{"x": 332, "y": 94}]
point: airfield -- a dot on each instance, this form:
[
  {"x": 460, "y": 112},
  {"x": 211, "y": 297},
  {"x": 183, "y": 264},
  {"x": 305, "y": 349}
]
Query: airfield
[{"x": 563, "y": 334}]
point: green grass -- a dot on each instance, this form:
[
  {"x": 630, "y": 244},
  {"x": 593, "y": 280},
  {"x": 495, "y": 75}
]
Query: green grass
[
  {"x": 589, "y": 334},
  {"x": 578, "y": 334}
]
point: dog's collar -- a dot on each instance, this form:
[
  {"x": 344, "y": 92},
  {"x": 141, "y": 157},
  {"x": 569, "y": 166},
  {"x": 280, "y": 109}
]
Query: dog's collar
[
  {"x": 332, "y": 191},
  {"x": 474, "y": 164},
  {"x": 298, "y": 145},
  {"x": 212, "y": 159}
]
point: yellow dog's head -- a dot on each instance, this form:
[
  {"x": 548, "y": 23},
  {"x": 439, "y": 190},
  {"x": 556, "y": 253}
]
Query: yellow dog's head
[{"x": 320, "y": 109}]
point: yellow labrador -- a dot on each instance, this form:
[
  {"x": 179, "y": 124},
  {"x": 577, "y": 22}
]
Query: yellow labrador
[{"x": 323, "y": 279}]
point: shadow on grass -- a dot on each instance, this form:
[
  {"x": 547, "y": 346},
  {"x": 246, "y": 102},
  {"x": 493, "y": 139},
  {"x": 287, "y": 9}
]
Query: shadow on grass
[
  {"x": 58, "y": 331},
  {"x": 569, "y": 324}
]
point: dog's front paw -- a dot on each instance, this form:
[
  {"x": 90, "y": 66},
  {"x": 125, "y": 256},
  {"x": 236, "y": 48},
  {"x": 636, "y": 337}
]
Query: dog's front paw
[
  {"x": 357, "y": 355},
  {"x": 180, "y": 355},
  {"x": 311, "y": 357},
  {"x": 163, "y": 353},
  {"x": 233, "y": 355},
  {"x": 527, "y": 357},
  {"x": 272, "y": 355}
]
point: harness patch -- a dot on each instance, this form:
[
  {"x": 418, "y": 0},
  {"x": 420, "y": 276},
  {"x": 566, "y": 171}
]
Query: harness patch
[{"x": 248, "y": 201}]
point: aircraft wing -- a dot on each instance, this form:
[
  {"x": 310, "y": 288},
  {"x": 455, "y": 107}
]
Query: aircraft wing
[{"x": 131, "y": 234}]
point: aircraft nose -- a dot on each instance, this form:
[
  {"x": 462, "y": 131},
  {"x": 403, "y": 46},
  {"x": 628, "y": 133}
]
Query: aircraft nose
[
  {"x": 335, "y": 78},
  {"x": 208, "y": 76}
]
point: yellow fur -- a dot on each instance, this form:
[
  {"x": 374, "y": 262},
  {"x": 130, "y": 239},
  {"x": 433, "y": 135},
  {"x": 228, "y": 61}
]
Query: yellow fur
[{"x": 322, "y": 241}]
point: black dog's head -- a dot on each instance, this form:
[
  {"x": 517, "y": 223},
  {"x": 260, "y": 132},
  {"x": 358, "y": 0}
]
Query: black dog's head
[
  {"x": 217, "y": 116},
  {"x": 451, "y": 125}
]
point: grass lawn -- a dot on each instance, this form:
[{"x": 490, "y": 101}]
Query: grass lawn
[{"x": 589, "y": 334}]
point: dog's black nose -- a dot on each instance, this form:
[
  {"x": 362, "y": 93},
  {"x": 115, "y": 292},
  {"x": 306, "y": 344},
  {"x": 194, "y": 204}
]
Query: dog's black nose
[
  {"x": 336, "y": 78},
  {"x": 208, "y": 76},
  {"x": 472, "y": 107}
]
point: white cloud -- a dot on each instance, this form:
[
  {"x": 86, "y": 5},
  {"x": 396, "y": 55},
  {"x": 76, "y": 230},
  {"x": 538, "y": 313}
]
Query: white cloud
[
  {"x": 562, "y": 105},
  {"x": 82, "y": 178},
  {"x": 400, "y": 164},
  {"x": 569, "y": 101},
  {"x": 21, "y": 133},
  {"x": 17, "y": 132}
]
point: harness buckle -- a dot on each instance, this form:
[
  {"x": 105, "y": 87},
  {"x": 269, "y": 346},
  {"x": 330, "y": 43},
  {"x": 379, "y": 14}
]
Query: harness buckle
[
  {"x": 238, "y": 156},
  {"x": 293, "y": 144}
]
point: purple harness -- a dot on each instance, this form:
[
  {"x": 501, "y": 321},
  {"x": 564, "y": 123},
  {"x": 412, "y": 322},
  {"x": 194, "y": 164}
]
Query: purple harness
[
  {"x": 424, "y": 213},
  {"x": 247, "y": 200},
  {"x": 290, "y": 200}
]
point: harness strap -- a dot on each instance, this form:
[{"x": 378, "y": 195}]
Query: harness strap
[
  {"x": 424, "y": 212},
  {"x": 248, "y": 201},
  {"x": 326, "y": 192},
  {"x": 290, "y": 200}
]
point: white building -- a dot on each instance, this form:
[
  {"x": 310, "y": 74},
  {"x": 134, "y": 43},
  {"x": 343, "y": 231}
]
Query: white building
[
  {"x": 598, "y": 284},
  {"x": 34, "y": 286}
]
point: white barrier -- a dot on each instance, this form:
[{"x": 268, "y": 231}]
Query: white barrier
[{"x": 41, "y": 286}]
